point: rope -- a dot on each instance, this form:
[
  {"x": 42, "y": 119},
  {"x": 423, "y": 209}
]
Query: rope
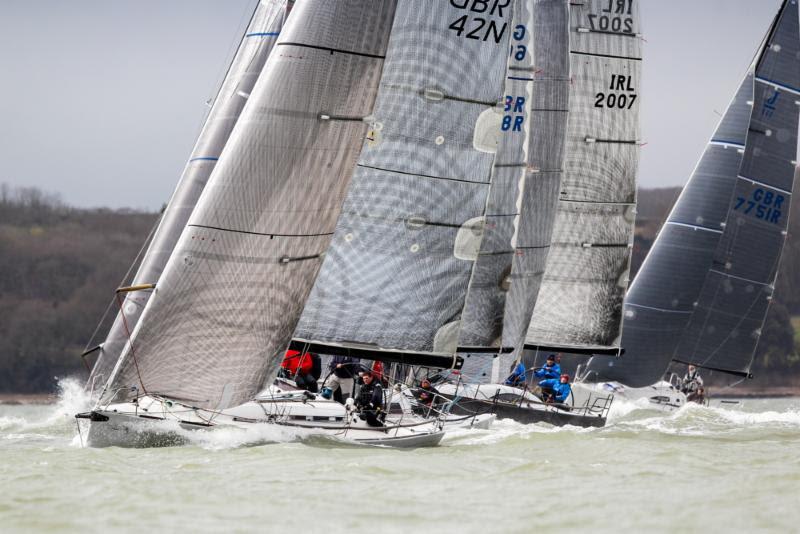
[
  {"x": 130, "y": 342},
  {"x": 123, "y": 282}
]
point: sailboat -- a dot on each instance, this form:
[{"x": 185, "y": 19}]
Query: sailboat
[
  {"x": 254, "y": 49},
  {"x": 576, "y": 224},
  {"x": 386, "y": 105},
  {"x": 702, "y": 294}
]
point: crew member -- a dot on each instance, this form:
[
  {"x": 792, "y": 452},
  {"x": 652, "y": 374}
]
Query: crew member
[
  {"x": 340, "y": 380},
  {"x": 370, "y": 399},
  {"x": 554, "y": 390},
  {"x": 550, "y": 370},
  {"x": 300, "y": 368},
  {"x": 517, "y": 377},
  {"x": 692, "y": 385},
  {"x": 426, "y": 394}
]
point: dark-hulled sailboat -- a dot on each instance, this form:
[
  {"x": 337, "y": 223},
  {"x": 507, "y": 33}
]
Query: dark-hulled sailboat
[{"x": 702, "y": 294}]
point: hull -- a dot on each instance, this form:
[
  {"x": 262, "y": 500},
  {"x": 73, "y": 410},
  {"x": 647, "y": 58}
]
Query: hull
[
  {"x": 159, "y": 422},
  {"x": 506, "y": 402}
]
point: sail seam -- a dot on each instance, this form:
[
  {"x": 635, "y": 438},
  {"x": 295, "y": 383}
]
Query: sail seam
[
  {"x": 424, "y": 175},
  {"x": 784, "y": 191},
  {"x": 684, "y": 312},
  {"x": 739, "y": 278},
  {"x": 723, "y": 142},
  {"x": 333, "y": 50},
  {"x": 597, "y": 202},
  {"x": 778, "y": 85},
  {"x": 604, "y": 55},
  {"x": 695, "y": 226},
  {"x": 271, "y": 235}
]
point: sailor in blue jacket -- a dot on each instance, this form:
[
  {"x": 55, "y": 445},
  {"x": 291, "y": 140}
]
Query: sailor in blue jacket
[
  {"x": 517, "y": 377},
  {"x": 555, "y": 390},
  {"x": 550, "y": 370}
]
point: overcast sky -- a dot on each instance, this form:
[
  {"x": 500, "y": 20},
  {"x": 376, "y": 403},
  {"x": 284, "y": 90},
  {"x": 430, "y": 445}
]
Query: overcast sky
[{"x": 101, "y": 100}]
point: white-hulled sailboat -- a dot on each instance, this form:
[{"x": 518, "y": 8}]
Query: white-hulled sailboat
[{"x": 225, "y": 308}]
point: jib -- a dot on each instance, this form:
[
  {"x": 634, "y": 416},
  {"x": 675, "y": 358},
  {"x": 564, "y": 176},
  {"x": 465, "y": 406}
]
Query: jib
[{"x": 482, "y": 6}]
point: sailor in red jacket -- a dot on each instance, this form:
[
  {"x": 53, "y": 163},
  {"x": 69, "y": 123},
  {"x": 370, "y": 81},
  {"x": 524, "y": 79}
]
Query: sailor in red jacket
[{"x": 301, "y": 368}]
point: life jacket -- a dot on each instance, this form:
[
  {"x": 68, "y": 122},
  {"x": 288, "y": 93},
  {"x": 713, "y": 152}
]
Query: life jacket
[{"x": 294, "y": 360}]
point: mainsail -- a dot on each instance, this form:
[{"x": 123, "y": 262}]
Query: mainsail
[
  {"x": 579, "y": 305},
  {"x": 236, "y": 283},
  {"x": 396, "y": 274},
  {"x": 259, "y": 38},
  {"x": 702, "y": 294}
]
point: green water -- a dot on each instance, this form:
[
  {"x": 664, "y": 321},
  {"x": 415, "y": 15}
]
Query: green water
[{"x": 731, "y": 468}]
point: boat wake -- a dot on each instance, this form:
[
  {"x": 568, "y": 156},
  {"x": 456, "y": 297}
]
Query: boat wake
[{"x": 747, "y": 419}]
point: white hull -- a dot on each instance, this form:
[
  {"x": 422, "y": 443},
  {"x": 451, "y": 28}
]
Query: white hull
[
  {"x": 153, "y": 421},
  {"x": 661, "y": 396}
]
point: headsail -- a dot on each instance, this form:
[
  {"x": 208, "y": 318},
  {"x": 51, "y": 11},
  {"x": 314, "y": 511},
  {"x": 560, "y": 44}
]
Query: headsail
[
  {"x": 546, "y": 157},
  {"x": 580, "y": 300},
  {"x": 399, "y": 264},
  {"x": 702, "y": 294},
  {"x": 259, "y": 38},
  {"x": 236, "y": 283}
]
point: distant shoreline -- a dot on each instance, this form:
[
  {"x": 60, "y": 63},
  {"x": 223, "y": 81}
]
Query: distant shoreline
[{"x": 27, "y": 398}]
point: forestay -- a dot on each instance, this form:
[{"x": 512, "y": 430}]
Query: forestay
[
  {"x": 396, "y": 274},
  {"x": 580, "y": 300},
  {"x": 256, "y": 45},
  {"x": 235, "y": 285},
  {"x": 702, "y": 294}
]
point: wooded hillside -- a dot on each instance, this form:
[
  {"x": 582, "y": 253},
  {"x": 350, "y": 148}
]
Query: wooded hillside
[{"x": 59, "y": 267}]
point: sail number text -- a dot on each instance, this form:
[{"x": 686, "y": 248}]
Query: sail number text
[
  {"x": 762, "y": 204},
  {"x": 515, "y": 114},
  {"x": 615, "y": 17},
  {"x": 471, "y": 26},
  {"x": 621, "y": 94}
]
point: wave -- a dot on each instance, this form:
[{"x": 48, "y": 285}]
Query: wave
[{"x": 748, "y": 419}]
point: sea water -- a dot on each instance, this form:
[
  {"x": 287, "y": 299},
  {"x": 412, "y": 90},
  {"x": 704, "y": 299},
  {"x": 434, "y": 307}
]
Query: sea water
[{"x": 726, "y": 467}]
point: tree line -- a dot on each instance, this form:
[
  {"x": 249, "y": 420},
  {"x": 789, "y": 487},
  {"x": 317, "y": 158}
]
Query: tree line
[{"x": 59, "y": 267}]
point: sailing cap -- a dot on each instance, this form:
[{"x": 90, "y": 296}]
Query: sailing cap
[{"x": 551, "y": 357}]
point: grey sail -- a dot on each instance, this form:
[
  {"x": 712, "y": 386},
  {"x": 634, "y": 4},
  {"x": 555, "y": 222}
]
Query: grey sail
[
  {"x": 702, "y": 294},
  {"x": 234, "y": 287},
  {"x": 543, "y": 176},
  {"x": 580, "y": 301},
  {"x": 396, "y": 274},
  {"x": 258, "y": 41}
]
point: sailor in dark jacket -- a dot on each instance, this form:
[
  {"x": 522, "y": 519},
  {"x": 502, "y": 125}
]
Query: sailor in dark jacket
[
  {"x": 426, "y": 394},
  {"x": 340, "y": 379},
  {"x": 551, "y": 369},
  {"x": 370, "y": 400}
]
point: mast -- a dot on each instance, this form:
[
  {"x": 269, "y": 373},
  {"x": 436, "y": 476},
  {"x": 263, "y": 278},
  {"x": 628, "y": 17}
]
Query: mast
[
  {"x": 255, "y": 47},
  {"x": 234, "y": 287},
  {"x": 399, "y": 265},
  {"x": 579, "y": 306},
  {"x": 703, "y": 291}
]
